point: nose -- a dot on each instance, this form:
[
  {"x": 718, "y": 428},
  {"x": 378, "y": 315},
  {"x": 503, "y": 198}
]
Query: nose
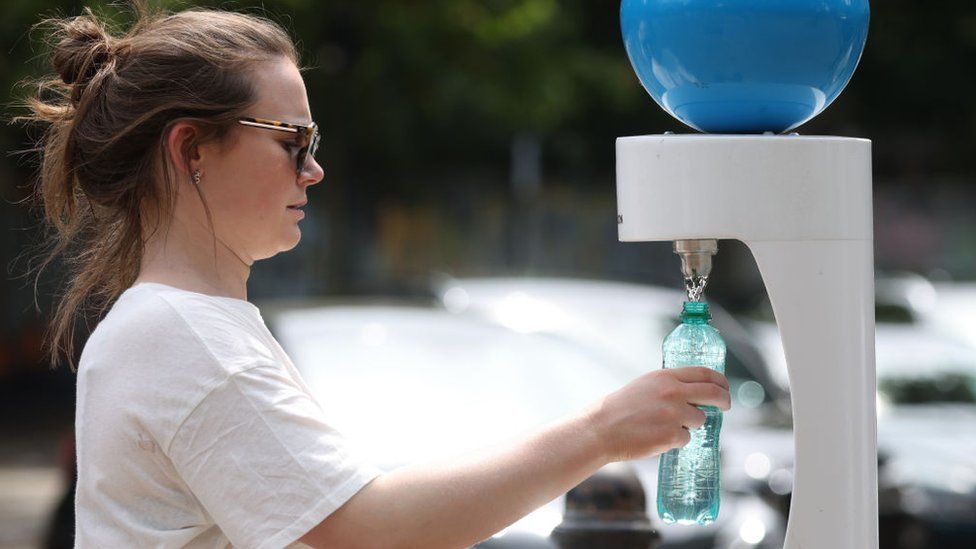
[{"x": 312, "y": 173}]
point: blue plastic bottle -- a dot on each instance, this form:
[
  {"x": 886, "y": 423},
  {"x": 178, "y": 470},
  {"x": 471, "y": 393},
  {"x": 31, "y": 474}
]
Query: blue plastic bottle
[{"x": 688, "y": 477}]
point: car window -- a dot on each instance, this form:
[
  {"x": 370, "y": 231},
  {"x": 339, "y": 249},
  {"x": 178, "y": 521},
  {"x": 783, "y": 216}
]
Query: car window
[
  {"x": 944, "y": 387},
  {"x": 893, "y": 313}
]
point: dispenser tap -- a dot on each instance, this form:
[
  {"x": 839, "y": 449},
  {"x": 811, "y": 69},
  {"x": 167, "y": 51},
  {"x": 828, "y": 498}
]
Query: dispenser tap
[{"x": 696, "y": 264}]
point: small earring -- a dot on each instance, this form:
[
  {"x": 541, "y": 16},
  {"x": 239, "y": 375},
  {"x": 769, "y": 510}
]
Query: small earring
[{"x": 196, "y": 177}]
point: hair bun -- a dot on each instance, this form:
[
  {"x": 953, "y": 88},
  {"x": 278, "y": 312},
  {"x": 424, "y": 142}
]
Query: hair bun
[{"x": 83, "y": 49}]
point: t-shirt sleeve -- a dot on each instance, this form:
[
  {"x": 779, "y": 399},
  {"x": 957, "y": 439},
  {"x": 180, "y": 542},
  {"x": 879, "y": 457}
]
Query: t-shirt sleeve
[{"x": 258, "y": 455}]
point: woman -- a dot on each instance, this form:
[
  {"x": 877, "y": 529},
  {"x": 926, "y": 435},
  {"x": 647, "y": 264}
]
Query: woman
[{"x": 176, "y": 156}]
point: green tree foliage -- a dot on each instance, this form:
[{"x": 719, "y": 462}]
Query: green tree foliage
[{"x": 407, "y": 89}]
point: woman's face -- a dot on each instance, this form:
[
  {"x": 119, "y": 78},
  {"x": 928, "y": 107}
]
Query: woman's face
[{"x": 249, "y": 178}]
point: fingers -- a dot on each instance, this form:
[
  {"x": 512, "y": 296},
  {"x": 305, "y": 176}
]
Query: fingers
[
  {"x": 708, "y": 394},
  {"x": 692, "y": 417},
  {"x": 702, "y": 386},
  {"x": 681, "y": 438},
  {"x": 698, "y": 374}
]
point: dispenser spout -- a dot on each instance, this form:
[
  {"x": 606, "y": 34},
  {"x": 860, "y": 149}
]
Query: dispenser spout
[{"x": 696, "y": 264}]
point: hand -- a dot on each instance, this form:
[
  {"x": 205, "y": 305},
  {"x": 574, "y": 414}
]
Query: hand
[{"x": 654, "y": 412}]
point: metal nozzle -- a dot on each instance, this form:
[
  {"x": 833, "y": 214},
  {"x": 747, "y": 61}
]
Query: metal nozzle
[
  {"x": 696, "y": 264},
  {"x": 696, "y": 256}
]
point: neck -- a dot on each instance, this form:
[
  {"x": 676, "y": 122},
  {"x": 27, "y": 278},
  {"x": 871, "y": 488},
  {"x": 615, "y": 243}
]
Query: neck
[{"x": 187, "y": 255}]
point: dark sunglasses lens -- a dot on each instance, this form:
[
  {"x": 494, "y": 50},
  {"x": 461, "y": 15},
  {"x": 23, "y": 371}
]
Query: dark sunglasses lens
[
  {"x": 301, "y": 140},
  {"x": 305, "y": 152},
  {"x": 307, "y": 142}
]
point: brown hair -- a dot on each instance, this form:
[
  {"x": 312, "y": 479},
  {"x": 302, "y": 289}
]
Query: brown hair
[{"x": 107, "y": 113}]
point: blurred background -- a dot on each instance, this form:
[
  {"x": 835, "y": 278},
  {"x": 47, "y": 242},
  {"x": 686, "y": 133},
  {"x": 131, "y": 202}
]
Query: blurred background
[{"x": 469, "y": 147}]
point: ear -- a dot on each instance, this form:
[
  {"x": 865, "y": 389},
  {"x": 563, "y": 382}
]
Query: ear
[{"x": 182, "y": 148}]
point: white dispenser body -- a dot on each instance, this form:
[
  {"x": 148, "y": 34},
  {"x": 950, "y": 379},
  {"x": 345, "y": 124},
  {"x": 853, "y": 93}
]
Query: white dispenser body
[{"x": 802, "y": 204}]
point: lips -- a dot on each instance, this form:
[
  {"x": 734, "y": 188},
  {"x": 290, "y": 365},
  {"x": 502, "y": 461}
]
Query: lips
[{"x": 299, "y": 205}]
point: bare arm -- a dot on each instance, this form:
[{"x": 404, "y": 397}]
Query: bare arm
[{"x": 460, "y": 502}]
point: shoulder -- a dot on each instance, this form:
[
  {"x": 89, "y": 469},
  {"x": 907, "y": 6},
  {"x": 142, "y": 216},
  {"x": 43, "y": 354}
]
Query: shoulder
[
  {"x": 155, "y": 357},
  {"x": 172, "y": 328}
]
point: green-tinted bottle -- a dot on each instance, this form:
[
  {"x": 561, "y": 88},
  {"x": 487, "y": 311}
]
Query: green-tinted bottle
[{"x": 688, "y": 477}]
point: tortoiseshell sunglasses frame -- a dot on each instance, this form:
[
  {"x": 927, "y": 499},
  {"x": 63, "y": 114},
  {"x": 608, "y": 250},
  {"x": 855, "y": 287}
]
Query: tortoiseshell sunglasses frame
[{"x": 309, "y": 136}]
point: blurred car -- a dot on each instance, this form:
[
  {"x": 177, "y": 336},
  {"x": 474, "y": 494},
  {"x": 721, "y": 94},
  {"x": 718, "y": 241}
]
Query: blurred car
[
  {"x": 631, "y": 320},
  {"x": 927, "y": 425},
  {"x": 942, "y": 307},
  {"x": 623, "y": 320},
  {"x": 926, "y": 429},
  {"x": 902, "y": 298},
  {"x": 953, "y": 311},
  {"x": 409, "y": 383}
]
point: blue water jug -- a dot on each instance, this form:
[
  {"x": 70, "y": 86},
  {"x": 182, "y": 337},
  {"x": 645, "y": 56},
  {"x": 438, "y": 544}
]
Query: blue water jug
[{"x": 744, "y": 66}]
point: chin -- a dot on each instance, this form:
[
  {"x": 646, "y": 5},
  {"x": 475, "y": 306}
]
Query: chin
[
  {"x": 289, "y": 248},
  {"x": 294, "y": 242},
  {"x": 284, "y": 246}
]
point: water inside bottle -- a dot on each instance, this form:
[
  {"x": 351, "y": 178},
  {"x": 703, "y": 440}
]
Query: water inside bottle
[{"x": 689, "y": 478}]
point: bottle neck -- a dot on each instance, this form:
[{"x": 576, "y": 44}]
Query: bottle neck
[{"x": 695, "y": 312}]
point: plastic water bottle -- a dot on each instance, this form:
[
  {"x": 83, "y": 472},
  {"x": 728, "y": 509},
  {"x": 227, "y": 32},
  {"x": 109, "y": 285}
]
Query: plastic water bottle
[{"x": 688, "y": 477}]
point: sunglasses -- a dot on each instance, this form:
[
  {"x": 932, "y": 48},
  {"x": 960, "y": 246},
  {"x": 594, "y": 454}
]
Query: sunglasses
[{"x": 306, "y": 137}]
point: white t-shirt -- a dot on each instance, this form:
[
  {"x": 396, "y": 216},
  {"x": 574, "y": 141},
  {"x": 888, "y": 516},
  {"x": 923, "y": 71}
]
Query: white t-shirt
[{"x": 194, "y": 429}]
